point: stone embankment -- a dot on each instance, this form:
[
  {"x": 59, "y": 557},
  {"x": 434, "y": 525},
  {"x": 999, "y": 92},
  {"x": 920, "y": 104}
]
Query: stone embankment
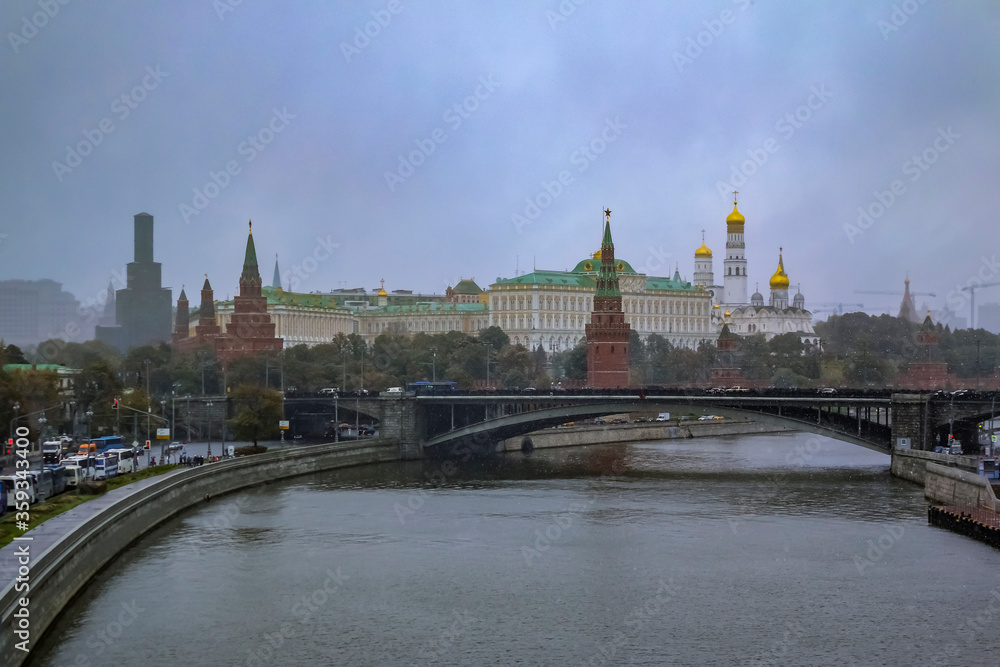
[{"x": 594, "y": 434}]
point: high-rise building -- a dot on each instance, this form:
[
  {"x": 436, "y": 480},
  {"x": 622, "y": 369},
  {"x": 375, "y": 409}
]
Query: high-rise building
[
  {"x": 142, "y": 308},
  {"x": 32, "y": 311},
  {"x": 607, "y": 332}
]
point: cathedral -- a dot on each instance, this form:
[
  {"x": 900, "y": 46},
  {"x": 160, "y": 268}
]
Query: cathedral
[{"x": 729, "y": 300}]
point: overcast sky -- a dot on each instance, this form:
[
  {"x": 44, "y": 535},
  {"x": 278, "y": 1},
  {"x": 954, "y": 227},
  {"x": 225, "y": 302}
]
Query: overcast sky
[{"x": 348, "y": 152}]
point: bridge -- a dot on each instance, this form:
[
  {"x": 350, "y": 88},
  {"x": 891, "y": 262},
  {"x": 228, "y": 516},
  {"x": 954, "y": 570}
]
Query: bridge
[{"x": 457, "y": 423}]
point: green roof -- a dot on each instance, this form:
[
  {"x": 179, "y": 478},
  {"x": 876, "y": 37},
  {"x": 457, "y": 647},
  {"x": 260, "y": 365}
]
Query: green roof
[
  {"x": 551, "y": 278},
  {"x": 434, "y": 307},
  {"x": 587, "y": 279},
  {"x": 467, "y": 287},
  {"x": 39, "y": 367},
  {"x": 594, "y": 265}
]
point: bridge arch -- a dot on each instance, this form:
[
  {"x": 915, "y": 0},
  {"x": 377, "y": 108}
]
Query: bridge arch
[{"x": 485, "y": 434}]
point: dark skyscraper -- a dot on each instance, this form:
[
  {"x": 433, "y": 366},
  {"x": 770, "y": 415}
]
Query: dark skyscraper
[{"x": 142, "y": 309}]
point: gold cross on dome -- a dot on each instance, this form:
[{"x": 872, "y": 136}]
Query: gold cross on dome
[{"x": 735, "y": 192}]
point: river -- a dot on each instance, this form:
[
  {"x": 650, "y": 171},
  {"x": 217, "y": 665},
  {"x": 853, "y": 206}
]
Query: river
[{"x": 786, "y": 549}]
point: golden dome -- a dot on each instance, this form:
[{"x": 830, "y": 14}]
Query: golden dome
[
  {"x": 735, "y": 217},
  {"x": 704, "y": 250},
  {"x": 780, "y": 279},
  {"x": 597, "y": 255},
  {"x": 381, "y": 291}
]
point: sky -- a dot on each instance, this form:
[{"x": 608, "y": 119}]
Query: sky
[{"x": 423, "y": 143}]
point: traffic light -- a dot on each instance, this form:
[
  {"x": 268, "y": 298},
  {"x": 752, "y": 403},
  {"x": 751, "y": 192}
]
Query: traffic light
[
  {"x": 115, "y": 406},
  {"x": 10, "y": 446}
]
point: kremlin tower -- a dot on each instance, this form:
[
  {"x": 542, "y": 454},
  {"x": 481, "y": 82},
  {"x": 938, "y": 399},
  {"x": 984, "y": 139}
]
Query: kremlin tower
[
  {"x": 607, "y": 333},
  {"x": 250, "y": 330}
]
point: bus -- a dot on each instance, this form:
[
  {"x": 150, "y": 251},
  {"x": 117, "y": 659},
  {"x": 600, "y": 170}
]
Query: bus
[
  {"x": 107, "y": 466},
  {"x": 128, "y": 459},
  {"x": 432, "y": 388},
  {"x": 101, "y": 445}
]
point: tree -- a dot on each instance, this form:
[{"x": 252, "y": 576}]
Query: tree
[
  {"x": 494, "y": 337},
  {"x": 258, "y": 410},
  {"x": 571, "y": 364},
  {"x": 14, "y": 355}
]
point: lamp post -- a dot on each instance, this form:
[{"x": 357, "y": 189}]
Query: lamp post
[
  {"x": 17, "y": 407},
  {"x": 72, "y": 416},
  {"x": 89, "y": 414},
  {"x": 951, "y": 419},
  {"x": 209, "y": 406},
  {"x": 147, "y": 362},
  {"x": 42, "y": 421},
  {"x": 163, "y": 414}
]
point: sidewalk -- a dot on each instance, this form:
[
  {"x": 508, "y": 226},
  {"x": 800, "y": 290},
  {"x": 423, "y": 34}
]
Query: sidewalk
[{"x": 51, "y": 531}]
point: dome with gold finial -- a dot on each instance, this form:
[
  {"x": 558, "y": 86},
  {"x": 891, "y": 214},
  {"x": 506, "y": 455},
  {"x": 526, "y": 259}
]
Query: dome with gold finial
[
  {"x": 735, "y": 220},
  {"x": 381, "y": 291},
  {"x": 704, "y": 250},
  {"x": 780, "y": 279}
]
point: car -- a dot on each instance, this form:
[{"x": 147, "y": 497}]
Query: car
[
  {"x": 706, "y": 418},
  {"x": 328, "y": 391},
  {"x": 599, "y": 420},
  {"x": 828, "y": 390},
  {"x": 619, "y": 420}
]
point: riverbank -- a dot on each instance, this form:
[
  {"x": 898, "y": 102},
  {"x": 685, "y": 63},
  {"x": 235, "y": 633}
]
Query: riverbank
[
  {"x": 596, "y": 434},
  {"x": 56, "y": 560}
]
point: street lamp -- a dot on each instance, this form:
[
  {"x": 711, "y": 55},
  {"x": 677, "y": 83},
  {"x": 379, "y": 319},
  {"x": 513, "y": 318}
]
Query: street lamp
[
  {"x": 17, "y": 407},
  {"x": 89, "y": 414},
  {"x": 209, "y": 406},
  {"x": 41, "y": 430},
  {"x": 72, "y": 416}
]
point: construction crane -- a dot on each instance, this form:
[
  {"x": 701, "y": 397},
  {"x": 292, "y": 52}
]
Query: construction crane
[
  {"x": 837, "y": 308},
  {"x": 971, "y": 289},
  {"x": 893, "y": 293}
]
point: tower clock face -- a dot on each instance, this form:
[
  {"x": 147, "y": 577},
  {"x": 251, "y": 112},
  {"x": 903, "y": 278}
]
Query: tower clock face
[
  {"x": 587, "y": 266},
  {"x": 620, "y": 266}
]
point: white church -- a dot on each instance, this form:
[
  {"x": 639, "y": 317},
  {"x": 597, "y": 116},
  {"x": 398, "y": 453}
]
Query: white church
[{"x": 729, "y": 300}]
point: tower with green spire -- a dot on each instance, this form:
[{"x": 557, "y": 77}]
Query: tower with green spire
[
  {"x": 276, "y": 280},
  {"x": 250, "y": 330},
  {"x": 608, "y": 332},
  {"x": 250, "y": 282}
]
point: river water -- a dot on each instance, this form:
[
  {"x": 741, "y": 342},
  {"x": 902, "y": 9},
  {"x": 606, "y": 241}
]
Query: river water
[{"x": 760, "y": 550}]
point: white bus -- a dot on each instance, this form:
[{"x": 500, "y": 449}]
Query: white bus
[
  {"x": 10, "y": 483},
  {"x": 128, "y": 459},
  {"x": 107, "y": 466}
]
